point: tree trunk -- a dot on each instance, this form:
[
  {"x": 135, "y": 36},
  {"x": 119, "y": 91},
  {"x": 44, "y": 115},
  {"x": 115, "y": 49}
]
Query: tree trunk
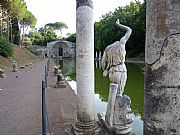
[
  {"x": 1, "y": 19},
  {"x": 22, "y": 38},
  {"x": 61, "y": 34},
  {"x": 11, "y": 34},
  {"x": 162, "y": 74},
  {"x": 8, "y": 28}
]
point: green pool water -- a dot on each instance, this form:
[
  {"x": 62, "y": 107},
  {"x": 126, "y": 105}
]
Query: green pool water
[{"x": 134, "y": 89}]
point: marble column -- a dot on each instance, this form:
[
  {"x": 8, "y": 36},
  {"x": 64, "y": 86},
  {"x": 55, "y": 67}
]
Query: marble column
[
  {"x": 85, "y": 123},
  {"x": 162, "y": 72}
]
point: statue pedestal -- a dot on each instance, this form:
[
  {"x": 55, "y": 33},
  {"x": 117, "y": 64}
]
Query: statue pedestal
[
  {"x": 14, "y": 66},
  {"x": 61, "y": 83},
  {"x": 117, "y": 119}
]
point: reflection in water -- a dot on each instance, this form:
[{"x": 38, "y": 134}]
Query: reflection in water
[
  {"x": 68, "y": 67},
  {"x": 134, "y": 89}
]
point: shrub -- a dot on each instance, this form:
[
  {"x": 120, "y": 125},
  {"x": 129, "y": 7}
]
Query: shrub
[
  {"x": 6, "y": 48},
  {"x": 132, "y": 53},
  {"x": 27, "y": 42}
]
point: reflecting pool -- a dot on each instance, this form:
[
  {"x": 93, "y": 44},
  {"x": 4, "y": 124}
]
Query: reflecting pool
[{"x": 134, "y": 88}]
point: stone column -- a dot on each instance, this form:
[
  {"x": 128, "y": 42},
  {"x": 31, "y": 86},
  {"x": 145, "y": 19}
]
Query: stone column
[
  {"x": 162, "y": 72},
  {"x": 85, "y": 123},
  {"x": 57, "y": 53}
]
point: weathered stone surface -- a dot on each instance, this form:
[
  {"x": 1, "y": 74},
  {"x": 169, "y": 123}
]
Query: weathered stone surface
[
  {"x": 61, "y": 83},
  {"x": 60, "y": 49},
  {"x": 122, "y": 110},
  {"x": 85, "y": 123},
  {"x": 56, "y": 70},
  {"x": 109, "y": 118},
  {"x": 14, "y": 65},
  {"x": 2, "y": 74},
  {"x": 84, "y": 3},
  {"x": 85, "y": 63},
  {"x": 162, "y": 72},
  {"x": 162, "y": 21},
  {"x": 117, "y": 119},
  {"x": 88, "y": 128},
  {"x": 1, "y": 71}
]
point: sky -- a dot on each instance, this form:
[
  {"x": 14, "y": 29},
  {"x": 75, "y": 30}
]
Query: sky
[{"x": 51, "y": 11}]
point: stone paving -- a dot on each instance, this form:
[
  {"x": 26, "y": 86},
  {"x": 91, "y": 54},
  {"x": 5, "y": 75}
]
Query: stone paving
[{"x": 20, "y": 102}]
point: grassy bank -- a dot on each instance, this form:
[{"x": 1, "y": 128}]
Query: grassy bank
[{"x": 21, "y": 55}]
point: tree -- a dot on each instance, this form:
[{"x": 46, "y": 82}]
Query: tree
[
  {"x": 6, "y": 48},
  {"x": 132, "y": 15},
  {"x": 71, "y": 38},
  {"x": 13, "y": 11},
  {"x": 42, "y": 36},
  {"x": 57, "y": 26},
  {"x": 28, "y": 21},
  {"x": 36, "y": 37},
  {"x": 15, "y": 32},
  {"x": 27, "y": 42}
]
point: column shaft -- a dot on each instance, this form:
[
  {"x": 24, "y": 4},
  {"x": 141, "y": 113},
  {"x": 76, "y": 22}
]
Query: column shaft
[{"x": 162, "y": 74}]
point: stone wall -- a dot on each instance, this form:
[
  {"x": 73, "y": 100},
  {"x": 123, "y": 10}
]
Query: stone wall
[{"x": 68, "y": 49}]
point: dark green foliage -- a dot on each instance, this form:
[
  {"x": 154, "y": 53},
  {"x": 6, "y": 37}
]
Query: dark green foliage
[
  {"x": 16, "y": 32},
  {"x": 132, "y": 15},
  {"x": 71, "y": 38},
  {"x": 6, "y": 48},
  {"x": 13, "y": 9},
  {"x": 101, "y": 85},
  {"x": 57, "y": 26},
  {"x": 42, "y": 36}
]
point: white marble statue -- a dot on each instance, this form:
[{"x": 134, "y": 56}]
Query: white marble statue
[
  {"x": 116, "y": 119},
  {"x": 113, "y": 60}
]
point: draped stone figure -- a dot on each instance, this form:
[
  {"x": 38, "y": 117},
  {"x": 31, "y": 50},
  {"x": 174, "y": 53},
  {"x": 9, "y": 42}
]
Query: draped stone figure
[
  {"x": 117, "y": 119},
  {"x": 113, "y": 60}
]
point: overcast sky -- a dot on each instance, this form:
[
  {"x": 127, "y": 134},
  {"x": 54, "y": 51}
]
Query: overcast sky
[{"x": 50, "y": 11}]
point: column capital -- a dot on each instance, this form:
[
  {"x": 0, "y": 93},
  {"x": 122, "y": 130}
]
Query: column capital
[{"x": 84, "y": 3}]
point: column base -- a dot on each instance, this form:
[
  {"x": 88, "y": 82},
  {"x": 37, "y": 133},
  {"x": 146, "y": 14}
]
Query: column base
[
  {"x": 125, "y": 129},
  {"x": 60, "y": 84},
  {"x": 90, "y": 128}
]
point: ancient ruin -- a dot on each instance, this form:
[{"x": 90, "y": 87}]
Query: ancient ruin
[
  {"x": 116, "y": 119},
  {"x": 85, "y": 123},
  {"x": 14, "y": 65},
  {"x": 162, "y": 72}
]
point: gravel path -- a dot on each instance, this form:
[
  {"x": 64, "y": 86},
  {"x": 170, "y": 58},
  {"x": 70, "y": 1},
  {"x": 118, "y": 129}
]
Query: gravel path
[{"x": 20, "y": 102}]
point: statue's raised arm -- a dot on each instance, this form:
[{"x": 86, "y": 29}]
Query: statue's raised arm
[{"x": 128, "y": 30}]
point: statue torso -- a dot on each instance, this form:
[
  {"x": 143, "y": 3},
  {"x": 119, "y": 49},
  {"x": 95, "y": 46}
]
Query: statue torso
[{"x": 116, "y": 57}]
